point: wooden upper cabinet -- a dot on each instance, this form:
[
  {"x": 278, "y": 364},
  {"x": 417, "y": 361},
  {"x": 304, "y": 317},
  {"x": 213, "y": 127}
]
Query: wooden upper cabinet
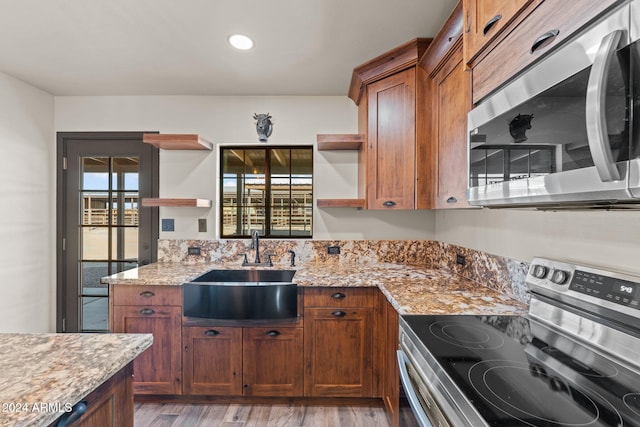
[
  {"x": 448, "y": 100},
  {"x": 392, "y": 142},
  {"x": 484, "y": 20},
  {"x": 388, "y": 90},
  {"x": 551, "y": 20}
]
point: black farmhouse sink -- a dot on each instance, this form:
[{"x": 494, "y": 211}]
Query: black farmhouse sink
[{"x": 241, "y": 295}]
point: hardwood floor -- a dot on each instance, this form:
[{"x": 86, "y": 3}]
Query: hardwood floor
[{"x": 235, "y": 415}]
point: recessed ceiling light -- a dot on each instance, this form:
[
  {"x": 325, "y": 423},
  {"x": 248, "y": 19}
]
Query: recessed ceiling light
[{"x": 240, "y": 41}]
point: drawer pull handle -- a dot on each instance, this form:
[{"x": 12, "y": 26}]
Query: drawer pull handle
[
  {"x": 544, "y": 40},
  {"x": 338, "y": 295},
  {"x": 452, "y": 200},
  {"x": 211, "y": 332},
  {"x": 147, "y": 294},
  {"x": 147, "y": 311},
  {"x": 490, "y": 23},
  {"x": 339, "y": 313},
  {"x": 389, "y": 203},
  {"x": 77, "y": 411},
  {"x": 273, "y": 333}
]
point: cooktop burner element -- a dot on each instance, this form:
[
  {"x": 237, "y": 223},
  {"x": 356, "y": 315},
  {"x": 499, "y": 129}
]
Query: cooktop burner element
[
  {"x": 466, "y": 334},
  {"x": 573, "y": 360}
]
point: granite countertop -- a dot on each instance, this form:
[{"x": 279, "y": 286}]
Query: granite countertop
[
  {"x": 411, "y": 289},
  {"x": 58, "y": 370}
]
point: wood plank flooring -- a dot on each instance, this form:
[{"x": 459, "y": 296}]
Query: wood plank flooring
[{"x": 236, "y": 415}]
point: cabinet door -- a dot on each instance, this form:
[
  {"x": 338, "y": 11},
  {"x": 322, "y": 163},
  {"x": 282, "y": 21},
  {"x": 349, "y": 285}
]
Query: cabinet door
[
  {"x": 451, "y": 91},
  {"x": 391, "y": 393},
  {"x": 391, "y": 142},
  {"x": 484, "y": 19},
  {"x": 158, "y": 369},
  {"x": 338, "y": 352},
  {"x": 212, "y": 361},
  {"x": 272, "y": 361}
]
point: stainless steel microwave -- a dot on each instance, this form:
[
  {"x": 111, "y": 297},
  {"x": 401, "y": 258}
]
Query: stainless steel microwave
[{"x": 565, "y": 132}]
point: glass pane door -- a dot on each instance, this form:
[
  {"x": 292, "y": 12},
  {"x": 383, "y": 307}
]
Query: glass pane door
[{"x": 108, "y": 235}]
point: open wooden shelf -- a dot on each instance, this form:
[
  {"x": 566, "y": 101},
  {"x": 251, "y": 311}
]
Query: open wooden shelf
[
  {"x": 177, "y": 141},
  {"x": 346, "y": 141},
  {"x": 340, "y": 203},
  {"x": 194, "y": 203}
]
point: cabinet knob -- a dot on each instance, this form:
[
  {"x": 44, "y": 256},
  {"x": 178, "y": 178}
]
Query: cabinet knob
[
  {"x": 147, "y": 294},
  {"x": 452, "y": 200},
  {"x": 389, "y": 203},
  {"x": 543, "y": 40},
  {"x": 273, "y": 333},
  {"x": 339, "y": 313},
  {"x": 147, "y": 311},
  {"x": 211, "y": 332},
  {"x": 78, "y": 410},
  {"x": 338, "y": 295},
  {"x": 490, "y": 23}
]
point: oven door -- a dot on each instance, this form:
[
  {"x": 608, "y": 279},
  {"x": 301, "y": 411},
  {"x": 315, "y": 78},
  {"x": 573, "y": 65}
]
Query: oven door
[{"x": 560, "y": 132}]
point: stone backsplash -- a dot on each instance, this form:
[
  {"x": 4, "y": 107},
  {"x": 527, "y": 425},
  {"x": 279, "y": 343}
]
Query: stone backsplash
[{"x": 503, "y": 274}]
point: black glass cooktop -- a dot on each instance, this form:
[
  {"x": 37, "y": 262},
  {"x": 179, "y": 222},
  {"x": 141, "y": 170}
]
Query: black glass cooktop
[{"x": 516, "y": 372}]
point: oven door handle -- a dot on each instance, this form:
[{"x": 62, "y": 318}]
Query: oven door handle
[
  {"x": 596, "y": 118},
  {"x": 414, "y": 402}
]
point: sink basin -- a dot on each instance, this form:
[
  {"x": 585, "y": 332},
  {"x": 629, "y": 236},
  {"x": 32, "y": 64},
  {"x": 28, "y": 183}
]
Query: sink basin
[
  {"x": 235, "y": 276},
  {"x": 241, "y": 295}
]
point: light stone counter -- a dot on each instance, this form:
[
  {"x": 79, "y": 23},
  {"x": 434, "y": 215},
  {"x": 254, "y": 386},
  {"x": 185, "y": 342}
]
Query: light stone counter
[
  {"x": 43, "y": 374},
  {"x": 411, "y": 289}
]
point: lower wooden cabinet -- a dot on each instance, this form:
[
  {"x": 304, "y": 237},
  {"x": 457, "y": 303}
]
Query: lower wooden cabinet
[
  {"x": 158, "y": 370},
  {"x": 212, "y": 361},
  {"x": 234, "y": 361},
  {"x": 111, "y": 404},
  {"x": 338, "y": 347}
]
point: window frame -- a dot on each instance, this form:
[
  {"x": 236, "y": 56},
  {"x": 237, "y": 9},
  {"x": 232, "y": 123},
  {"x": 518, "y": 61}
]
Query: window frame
[{"x": 267, "y": 173}]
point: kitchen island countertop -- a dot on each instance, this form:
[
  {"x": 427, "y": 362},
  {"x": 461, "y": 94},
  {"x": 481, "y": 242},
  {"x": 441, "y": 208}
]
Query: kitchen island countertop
[
  {"x": 411, "y": 289},
  {"x": 41, "y": 375}
]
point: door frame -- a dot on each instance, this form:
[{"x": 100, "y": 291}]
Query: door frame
[{"x": 62, "y": 139}]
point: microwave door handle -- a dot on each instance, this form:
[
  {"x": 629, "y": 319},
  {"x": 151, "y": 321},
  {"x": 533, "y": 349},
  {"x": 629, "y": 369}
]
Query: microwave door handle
[
  {"x": 597, "y": 135},
  {"x": 414, "y": 402}
]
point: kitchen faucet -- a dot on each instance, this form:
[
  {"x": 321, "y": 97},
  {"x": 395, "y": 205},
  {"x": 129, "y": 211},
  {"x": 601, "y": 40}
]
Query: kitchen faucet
[{"x": 255, "y": 244}]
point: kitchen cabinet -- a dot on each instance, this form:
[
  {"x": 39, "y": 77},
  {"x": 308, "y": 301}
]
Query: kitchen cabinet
[
  {"x": 156, "y": 310},
  {"x": 338, "y": 342},
  {"x": 391, "y": 378},
  {"x": 486, "y": 19},
  {"x": 545, "y": 25},
  {"x": 448, "y": 100},
  {"x": 212, "y": 361},
  {"x": 236, "y": 361},
  {"x": 389, "y": 91},
  {"x": 111, "y": 404}
]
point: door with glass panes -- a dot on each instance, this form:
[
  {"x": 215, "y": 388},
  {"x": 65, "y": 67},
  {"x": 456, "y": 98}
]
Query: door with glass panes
[{"x": 102, "y": 228}]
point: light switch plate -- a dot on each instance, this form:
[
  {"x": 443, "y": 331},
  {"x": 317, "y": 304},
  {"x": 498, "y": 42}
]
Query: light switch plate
[
  {"x": 202, "y": 225},
  {"x": 168, "y": 224}
]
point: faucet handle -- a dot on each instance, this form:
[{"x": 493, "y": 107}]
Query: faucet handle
[
  {"x": 245, "y": 261},
  {"x": 269, "y": 262},
  {"x": 293, "y": 257}
]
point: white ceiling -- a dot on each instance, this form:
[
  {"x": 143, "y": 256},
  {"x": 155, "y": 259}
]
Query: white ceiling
[{"x": 179, "y": 47}]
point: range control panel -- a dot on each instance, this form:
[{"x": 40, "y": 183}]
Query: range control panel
[{"x": 612, "y": 289}]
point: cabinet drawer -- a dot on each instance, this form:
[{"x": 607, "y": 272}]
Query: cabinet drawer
[
  {"x": 339, "y": 297},
  {"x": 146, "y": 295},
  {"x": 514, "y": 52}
]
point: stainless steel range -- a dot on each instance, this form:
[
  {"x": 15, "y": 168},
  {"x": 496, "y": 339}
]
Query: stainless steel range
[{"x": 573, "y": 360}]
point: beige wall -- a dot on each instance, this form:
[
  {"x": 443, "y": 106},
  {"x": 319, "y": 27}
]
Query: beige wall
[
  {"x": 229, "y": 120},
  {"x": 27, "y": 206},
  {"x": 610, "y": 239}
]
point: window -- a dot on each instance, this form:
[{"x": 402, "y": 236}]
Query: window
[{"x": 268, "y": 189}]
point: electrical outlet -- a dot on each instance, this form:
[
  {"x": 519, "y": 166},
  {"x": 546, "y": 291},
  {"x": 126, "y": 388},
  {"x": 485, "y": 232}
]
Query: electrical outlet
[
  {"x": 333, "y": 250},
  {"x": 191, "y": 250},
  {"x": 202, "y": 225},
  {"x": 461, "y": 259},
  {"x": 168, "y": 224}
]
